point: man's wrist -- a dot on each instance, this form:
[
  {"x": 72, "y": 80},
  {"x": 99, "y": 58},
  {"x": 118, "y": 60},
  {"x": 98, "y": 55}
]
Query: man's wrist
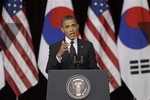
[{"x": 59, "y": 56}]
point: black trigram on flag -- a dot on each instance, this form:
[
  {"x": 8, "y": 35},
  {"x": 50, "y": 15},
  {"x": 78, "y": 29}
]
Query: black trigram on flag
[{"x": 140, "y": 66}]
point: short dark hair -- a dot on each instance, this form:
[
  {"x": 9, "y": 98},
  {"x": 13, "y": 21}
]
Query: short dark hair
[{"x": 68, "y": 17}]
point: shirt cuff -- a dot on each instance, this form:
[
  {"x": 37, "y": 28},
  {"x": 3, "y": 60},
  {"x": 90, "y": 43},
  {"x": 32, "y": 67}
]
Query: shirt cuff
[{"x": 58, "y": 59}]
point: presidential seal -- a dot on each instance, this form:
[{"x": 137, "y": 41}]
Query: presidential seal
[{"x": 78, "y": 87}]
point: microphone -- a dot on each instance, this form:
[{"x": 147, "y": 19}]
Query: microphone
[
  {"x": 74, "y": 59},
  {"x": 81, "y": 59},
  {"x": 77, "y": 62}
]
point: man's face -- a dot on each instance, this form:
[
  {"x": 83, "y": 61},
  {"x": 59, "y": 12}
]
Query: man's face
[{"x": 70, "y": 28}]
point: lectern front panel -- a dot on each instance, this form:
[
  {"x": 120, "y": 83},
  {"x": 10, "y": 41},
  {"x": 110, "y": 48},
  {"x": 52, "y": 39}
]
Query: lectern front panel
[{"x": 57, "y": 80}]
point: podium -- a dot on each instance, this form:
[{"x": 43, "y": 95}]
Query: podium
[{"x": 61, "y": 85}]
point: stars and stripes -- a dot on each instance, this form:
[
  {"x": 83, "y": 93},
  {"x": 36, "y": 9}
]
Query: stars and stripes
[
  {"x": 17, "y": 50},
  {"x": 99, "y": 29}
]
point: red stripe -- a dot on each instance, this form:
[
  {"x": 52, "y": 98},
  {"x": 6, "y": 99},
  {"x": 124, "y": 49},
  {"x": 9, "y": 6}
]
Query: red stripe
[
  {"x": 29, "y": 41},
  {"x": 107, "y": 28},
  {"x": 113, "y": 82},
  {"x": 17, "y": 68},
  {"x": 20, "y": 50},
  {"x": 103, "y": 44},
  {"x": 23, "y": 30},
  {"x": 11, "y": 83},
  {"x": 111, "y": 34}
]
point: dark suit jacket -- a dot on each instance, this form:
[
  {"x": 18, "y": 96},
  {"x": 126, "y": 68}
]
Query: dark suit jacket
[{"x": 85, "y": 49}]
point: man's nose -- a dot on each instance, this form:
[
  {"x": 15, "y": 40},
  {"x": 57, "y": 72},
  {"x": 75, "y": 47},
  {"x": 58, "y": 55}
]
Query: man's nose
[{"x": 71, "y": 28}]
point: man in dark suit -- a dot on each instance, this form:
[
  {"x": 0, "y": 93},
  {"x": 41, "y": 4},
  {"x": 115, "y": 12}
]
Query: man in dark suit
[{"x": 60, "y": 53}]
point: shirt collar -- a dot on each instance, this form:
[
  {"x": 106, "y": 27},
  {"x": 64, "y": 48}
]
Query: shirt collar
[{"x": 68, "y": 40}]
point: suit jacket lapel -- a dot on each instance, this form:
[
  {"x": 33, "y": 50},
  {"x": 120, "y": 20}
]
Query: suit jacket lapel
[{"x": 80, "y": 48}]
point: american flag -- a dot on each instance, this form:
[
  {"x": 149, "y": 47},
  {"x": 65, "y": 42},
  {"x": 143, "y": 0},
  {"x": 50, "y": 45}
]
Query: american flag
[
  {"x": 17, "y": 50},
  {"x": 99, "y": 29}
]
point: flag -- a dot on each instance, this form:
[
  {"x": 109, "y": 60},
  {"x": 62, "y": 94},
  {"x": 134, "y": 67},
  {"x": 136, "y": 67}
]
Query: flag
[
  {"x": 99, "y": 29},
  {"x": 134, "y": 48},
  {"x": 55, "y": 11},
  {"x": 17, "y": 50},
  {"x": 2, "y": 80}
]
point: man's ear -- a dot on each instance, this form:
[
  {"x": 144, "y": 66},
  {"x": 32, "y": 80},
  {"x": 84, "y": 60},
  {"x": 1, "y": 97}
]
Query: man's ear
[
  {"x": 62, "y": 30},
  {"x": 78, "y": 26}
]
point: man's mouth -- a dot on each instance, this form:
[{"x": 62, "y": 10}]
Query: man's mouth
[{"x": 72, "y": 33}]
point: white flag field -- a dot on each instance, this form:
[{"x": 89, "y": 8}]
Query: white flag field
[
  {"x": 134, "y": 48},
  {"x": 55, "y": 11}
]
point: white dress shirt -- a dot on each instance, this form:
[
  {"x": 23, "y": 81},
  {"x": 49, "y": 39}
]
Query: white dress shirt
[{"x": 75, "y": 44}]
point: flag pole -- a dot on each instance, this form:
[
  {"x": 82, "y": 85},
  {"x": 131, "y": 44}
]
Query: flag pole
[{"x": 17, "y": 98}]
